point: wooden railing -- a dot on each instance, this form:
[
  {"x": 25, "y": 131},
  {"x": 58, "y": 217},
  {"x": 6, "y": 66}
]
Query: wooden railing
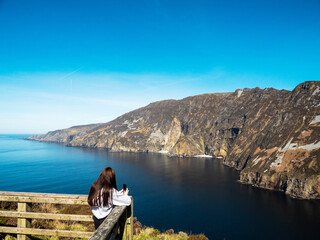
[{"x": 117, "y": 218}]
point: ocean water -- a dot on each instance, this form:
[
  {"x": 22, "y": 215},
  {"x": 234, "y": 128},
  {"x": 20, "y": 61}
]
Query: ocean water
[{"x": 193, "y": 195}]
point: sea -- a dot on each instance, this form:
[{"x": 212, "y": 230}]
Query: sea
[{"x": 193, "y": 195}]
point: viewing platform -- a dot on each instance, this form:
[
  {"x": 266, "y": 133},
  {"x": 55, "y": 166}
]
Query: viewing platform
[{"x": 118, "y": 224}]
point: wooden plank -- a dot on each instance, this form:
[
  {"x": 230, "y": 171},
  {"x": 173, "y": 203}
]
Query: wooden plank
[
  {"x": 23, "y": 222},
  {"x": 122, "y": 224},
  {"x": 50, "y": 195},
  {"x": 106, "y": 227},
  {"x": 46, "y": 232},
  {"x": 79, "y": 201},
  {"x": 33, "y": 215}
]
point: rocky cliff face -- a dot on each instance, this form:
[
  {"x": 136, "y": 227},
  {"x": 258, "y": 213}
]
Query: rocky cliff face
[{"x": 271, "y": 136}]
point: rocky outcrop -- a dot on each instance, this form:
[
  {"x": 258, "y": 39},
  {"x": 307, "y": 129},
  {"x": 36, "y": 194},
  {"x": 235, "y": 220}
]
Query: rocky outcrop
[{"x": 271, "y": 136}]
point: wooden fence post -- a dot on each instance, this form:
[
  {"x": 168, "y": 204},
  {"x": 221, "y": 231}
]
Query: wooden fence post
[
  {"x": 131, "y": 219},
  {"x": 23, "y": 222}
]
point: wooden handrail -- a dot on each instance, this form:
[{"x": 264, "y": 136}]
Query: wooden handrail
[
  {"x": 34, "y": 215},
  {"x": 118, "y": 215},
  {"x": 49, "y": 195},
  {"x": 24, "y": 197},
  {"x": 106, "y": 227},
  {"x": 46, "y": 232}
]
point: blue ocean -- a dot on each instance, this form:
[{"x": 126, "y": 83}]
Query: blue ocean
[{"x": 194, "y": 195}]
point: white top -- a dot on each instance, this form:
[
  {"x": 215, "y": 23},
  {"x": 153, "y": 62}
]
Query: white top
[{"x": 118, "y": 199}]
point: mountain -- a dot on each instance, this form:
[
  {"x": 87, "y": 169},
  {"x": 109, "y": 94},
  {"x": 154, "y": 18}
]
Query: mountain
[{"x": 271, "y": 136}]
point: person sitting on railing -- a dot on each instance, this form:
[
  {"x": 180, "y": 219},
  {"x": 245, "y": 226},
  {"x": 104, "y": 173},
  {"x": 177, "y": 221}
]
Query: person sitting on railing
[{"x": 104, "y": 195}]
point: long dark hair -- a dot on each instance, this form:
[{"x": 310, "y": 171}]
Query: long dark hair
[{"x": 101, "y": 190}]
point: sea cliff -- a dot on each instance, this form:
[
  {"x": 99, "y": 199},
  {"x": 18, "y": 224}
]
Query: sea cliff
[{"x": 271, "y": 136}]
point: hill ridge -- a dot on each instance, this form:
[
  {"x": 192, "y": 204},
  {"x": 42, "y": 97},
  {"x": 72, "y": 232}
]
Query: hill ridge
[{"x": 271, "y": 136}]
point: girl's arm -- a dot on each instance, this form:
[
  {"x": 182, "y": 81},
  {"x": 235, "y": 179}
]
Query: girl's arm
[{"x": 120, "y": 199}]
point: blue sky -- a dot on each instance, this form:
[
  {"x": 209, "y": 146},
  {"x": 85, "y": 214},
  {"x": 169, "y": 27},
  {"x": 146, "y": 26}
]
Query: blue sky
[{"x": 64, "y": 63}]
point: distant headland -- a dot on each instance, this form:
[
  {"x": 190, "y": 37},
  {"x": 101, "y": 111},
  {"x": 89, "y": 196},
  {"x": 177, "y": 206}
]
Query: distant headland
[{"x": 271, "y": 136}]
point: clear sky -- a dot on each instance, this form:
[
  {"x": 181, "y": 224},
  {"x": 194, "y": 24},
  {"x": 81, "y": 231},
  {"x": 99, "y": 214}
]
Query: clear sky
[{"x": 64, "y": 63}]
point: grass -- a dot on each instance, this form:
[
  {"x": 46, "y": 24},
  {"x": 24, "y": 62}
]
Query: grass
[
  {"x": 155, "y": 234},
  {"x": 149, "y": 233}
]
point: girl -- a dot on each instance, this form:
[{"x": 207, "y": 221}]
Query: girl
[{"x": 104, "y": 195}]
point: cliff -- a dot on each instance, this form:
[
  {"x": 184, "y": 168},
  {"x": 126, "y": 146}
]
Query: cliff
[{"x": 271, "y": 136}]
